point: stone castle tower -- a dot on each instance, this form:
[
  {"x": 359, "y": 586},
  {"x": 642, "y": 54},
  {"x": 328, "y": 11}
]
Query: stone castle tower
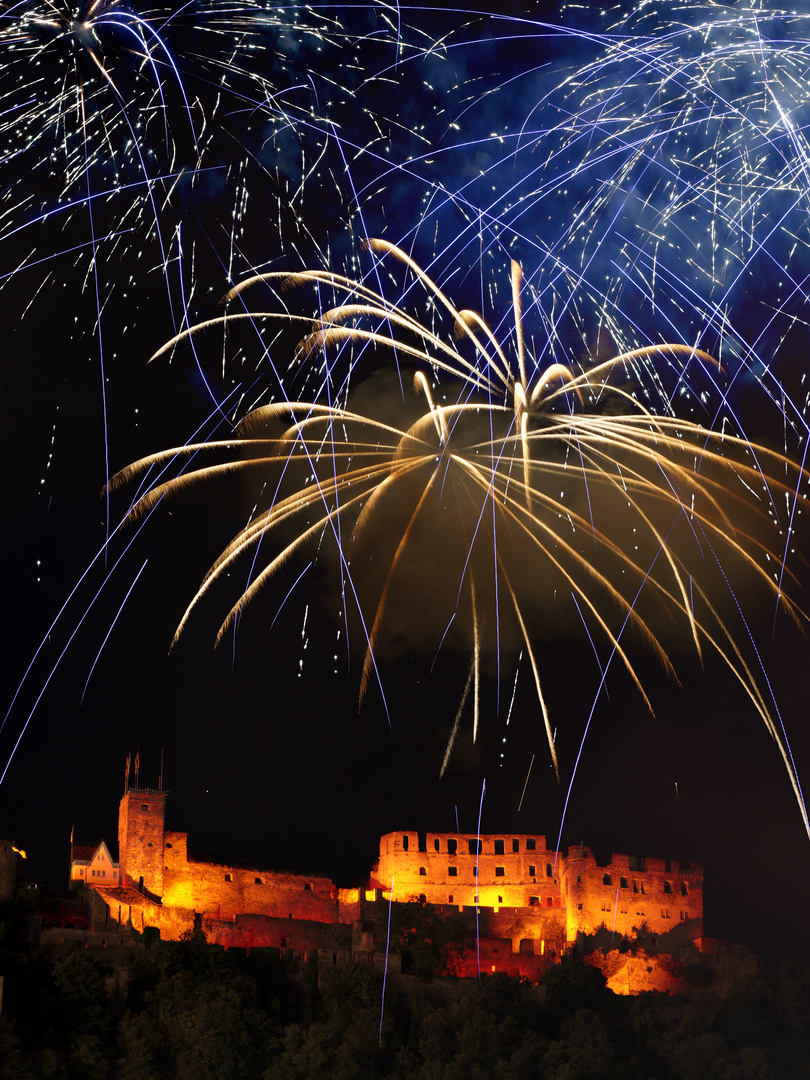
[{"x": 141, "y": 817}]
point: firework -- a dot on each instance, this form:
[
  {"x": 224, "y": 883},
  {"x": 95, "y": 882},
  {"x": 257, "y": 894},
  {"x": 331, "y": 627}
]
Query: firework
[
  {"x": 656, "y": 182},
  {"x": 533, "y": 491}
]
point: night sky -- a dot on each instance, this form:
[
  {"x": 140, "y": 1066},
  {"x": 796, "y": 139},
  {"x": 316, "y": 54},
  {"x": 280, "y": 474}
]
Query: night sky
[{"x": 267, "y": 756}]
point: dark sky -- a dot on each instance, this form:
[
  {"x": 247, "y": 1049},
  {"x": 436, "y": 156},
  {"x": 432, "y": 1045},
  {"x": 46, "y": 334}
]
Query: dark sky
[{"x": 266, "y": 754}]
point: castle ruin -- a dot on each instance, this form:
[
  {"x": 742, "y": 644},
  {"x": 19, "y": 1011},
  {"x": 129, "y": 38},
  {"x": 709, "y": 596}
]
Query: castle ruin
[{"x": 526, "y": 904}]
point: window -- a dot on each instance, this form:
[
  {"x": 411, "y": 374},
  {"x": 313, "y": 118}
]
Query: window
[
  {"x": 607, "y": 880},
  {"x": 475, "y": 871},
  {"x": 684, "y": 890},
  {"x": 452, "y": 847},
  {"x": 499, "y": 847},
  {"x": 548, "y": 869},
  {"x": 474, "y": 847},
  {"x": 422, "y": 871},
  {"x": 664, "y": 913},
  {"x": 532, "y": 871},
  {"x": 605, "y": 905},
  {"x": 579, "y": 906},
  {"x": 229, "y": 877},
  {"x": 500, "y": 899},
  {"x": 422, "y": 898},
  {"x": 549, "y": 901},
  {"x": 150, "y": 844},
  {"x": 450, "y": 899},
  {"x": 436, "y": 844},
  {"x": 404, "y": 843},
  {"x": 635, "y": 885},
  {"x": 257, "y": 881},
  {"x": 667, "y": 886},
  {"x": 499, "y": 871},
  {"x": 530, "y": 843},
  {"x": 515, "y": 845},
  {"x": 683, "y": 916},
  {"x": 145, "y": 806},
  {"x": 534, "y": 901},
  {"x": 307, "y": 887},
  {"x": 168, "y": 845},
  {"x": 623, "y": 882},
  {"x": 579, "y": 879},
  {"x": 643, "y": 889},
  {"x": 452, "y": 871}
]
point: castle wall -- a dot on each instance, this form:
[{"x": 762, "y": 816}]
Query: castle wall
[
  {"x": 9, "y": 862},
  {"x": 629, "y": 892},
  {"x": 507, "y": 871},
  {"x": 524, "y": 903},
  {"x": 261, "y": 931},
  {"x": 160, "y": 858},
  {"x": 638, "y": 973},
  {"x": 226, "y": 890}
]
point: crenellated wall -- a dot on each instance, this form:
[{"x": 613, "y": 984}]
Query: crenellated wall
[
  {"x": 465, "y": 869},
  {"x": 226, "y": 890},
  {"x": 550, "y": 889},
  {"x": 159, "y": 862},
  {"x": 629, "y": 892},
  {"x": 525, "y": 903}
]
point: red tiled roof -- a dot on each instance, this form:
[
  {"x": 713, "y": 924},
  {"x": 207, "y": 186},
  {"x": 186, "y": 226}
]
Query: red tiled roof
[{"x": 85, "y": 852}]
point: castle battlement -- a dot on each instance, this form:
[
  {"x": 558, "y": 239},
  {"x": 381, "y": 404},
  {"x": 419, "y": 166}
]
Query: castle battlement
[
  {"x": 519, "y": 871},
  {"x": 529, "y": 903}
]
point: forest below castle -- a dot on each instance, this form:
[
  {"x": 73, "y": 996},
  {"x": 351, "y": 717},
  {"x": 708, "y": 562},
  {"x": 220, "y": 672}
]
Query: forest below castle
[{"x": 192, "y": 1010}]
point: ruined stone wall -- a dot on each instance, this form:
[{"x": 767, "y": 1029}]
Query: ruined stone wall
[
  {"x": 261, "y": 931},
  {"x": 9, "y": 861},
  {"x": 538, "y": 931},
  {"x": 629, "y": 892},
  {"x": 220, "y": 889},
  {"x": 639, "y": 973},
  {"x": 449, "y": 868}
]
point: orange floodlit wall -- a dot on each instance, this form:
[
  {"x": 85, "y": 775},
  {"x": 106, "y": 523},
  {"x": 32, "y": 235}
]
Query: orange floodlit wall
[
  {"x": 141, "y": 817},
  {"x": 465, "y": 869},
  {"x": 551, "y": 889},
  {"x": 525, "y": 903},
  {"x": 629, "y": 892}
]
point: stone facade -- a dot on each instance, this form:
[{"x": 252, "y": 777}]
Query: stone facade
[
  {"x": 141, "y": 825},
  {"x": 557, "y": 896},
  {"x": 524, "y": 903}
]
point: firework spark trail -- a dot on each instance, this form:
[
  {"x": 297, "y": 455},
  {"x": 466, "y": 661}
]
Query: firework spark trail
[
  {"x": 681, "y": 483},
  {"x": 637, "y": 209},
  {"x": 590, "y": 186},
  {"x": 65, "y": 610},
  {"x": 112, "y": 627}
]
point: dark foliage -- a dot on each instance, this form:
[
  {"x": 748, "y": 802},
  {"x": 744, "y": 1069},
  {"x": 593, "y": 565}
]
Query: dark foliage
[{"x": 189, "y": 1009}]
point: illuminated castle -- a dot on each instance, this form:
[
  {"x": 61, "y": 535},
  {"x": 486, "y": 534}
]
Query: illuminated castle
[
  {"x": 526, "y": 904},
  {"x": 558, "y": 897}
]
